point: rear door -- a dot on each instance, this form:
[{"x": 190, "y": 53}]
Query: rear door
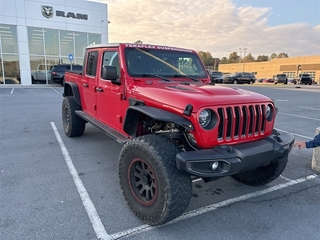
[
  {"x": 89, "y": 83},
  {"x": 109, "y": 95}
]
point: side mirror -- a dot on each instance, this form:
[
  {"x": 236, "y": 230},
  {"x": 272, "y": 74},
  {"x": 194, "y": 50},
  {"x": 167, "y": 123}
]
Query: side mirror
[{"x": 110, "y": 73}]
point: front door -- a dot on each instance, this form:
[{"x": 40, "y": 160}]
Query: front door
[{"x": 109, "y": 95}]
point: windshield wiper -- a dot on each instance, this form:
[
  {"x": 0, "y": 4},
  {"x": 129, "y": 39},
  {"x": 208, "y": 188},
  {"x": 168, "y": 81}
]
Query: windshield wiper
[
  {"x": 181, "y": 76},
  {"x": 155, "y": 75}
]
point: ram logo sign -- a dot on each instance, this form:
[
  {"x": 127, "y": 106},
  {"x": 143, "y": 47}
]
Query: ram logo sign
[
  {"x": 47, "y": 11},
  {"x": 72, "y": 15}
]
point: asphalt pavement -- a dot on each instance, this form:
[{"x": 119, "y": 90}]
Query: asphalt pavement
[{"x": 55, "y": 187}]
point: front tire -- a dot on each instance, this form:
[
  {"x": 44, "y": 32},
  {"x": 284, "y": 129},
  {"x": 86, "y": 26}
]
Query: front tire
[
  {"x": 73, "y": 125},
  {"x": 151, "y": 184},
  {"x": 262, "y": 175},
  {"x": 235, "y": 81}
]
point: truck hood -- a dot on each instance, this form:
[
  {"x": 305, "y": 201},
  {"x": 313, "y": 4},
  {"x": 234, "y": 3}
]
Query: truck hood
[{"x": 199, "y": 95}]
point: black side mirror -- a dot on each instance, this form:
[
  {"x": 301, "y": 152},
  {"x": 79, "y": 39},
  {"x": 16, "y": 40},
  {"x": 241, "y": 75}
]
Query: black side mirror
[{"x": 110, "y": 73}]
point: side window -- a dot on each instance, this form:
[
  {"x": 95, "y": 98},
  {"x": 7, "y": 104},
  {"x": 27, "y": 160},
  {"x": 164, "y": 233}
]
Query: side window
[
  {"x": 111, "y": 58},
  {"x": 92, "y": 63}
]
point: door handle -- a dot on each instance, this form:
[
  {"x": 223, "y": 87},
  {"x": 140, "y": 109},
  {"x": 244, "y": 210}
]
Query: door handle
[
  {"x": 99, "y": 89},
  {"x": 85, "y": 84}
]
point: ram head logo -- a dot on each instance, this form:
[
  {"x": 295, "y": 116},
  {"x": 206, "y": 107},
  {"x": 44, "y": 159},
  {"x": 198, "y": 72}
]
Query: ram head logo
[{"x": 47, "y": 11}]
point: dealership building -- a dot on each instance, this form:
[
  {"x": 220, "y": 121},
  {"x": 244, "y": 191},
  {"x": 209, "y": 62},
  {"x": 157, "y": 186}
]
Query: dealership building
[{"x": 36, "y": 34}]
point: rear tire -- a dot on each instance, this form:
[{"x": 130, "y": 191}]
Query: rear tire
[
  {"x": 73, "y": 125},
  {"x": 235, "y": 81},
  {"x": 151, "y": 184},
  {"x": 262, "y": 175}
]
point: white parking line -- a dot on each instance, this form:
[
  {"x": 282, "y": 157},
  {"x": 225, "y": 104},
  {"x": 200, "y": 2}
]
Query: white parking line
[
  {"x": 299, "y": 116},
  {"x": 85, "y": 198},
  {"x": 96, "y": 221},
  {"x": 311, "y": 108},
  {"x": 213, "y": 207},
  {"x": 12, "y": 91},
  {"x": 55, "y": 90},
  {"x": 295, "y": 134}
]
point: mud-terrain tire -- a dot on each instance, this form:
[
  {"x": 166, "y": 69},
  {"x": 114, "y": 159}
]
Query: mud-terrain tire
[
  {"x": 73, "y": 125},
  {"x": 151, "y": 184},
  {"x": 262, "y": 175}
]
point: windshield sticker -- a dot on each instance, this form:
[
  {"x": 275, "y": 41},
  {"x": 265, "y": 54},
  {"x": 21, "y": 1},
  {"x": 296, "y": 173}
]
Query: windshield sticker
[{"x": 158, "y": 47}]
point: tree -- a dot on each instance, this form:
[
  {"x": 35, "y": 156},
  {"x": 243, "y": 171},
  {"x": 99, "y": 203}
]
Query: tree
[
  {"x": 283, "y": 55},
  {"x": 233, "y": 57},
  {"x": 224, "y": 60},
  {"x": 273, "y": 56},
  {"x": 262, "y": 58},
  {"x": 248, "y": 58},
  {"x": 206, "y": 58}
]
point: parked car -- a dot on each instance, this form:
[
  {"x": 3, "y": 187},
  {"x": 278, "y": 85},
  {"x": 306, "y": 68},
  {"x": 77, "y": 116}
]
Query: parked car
[
  {"x": 240, "y": 77},
  {"x": 292, "y": 80},
  {"x": 268, "y": 80},
  {"x": 304, "y": 78},
  {"x": 41, "y": 74},
  {"x": 280, "y": 78},
  {"x": 216, "y": 77},
  {"x": 170, "y": 133},
  {"x": 58, "y": 71}
]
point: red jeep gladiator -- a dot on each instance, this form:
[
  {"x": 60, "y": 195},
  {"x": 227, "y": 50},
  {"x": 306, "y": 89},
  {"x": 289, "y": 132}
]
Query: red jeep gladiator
[{"x": 174, "y": 124}]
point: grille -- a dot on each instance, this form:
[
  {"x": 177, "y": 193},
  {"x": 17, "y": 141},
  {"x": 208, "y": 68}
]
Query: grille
[{"x": 241, "y": 121}]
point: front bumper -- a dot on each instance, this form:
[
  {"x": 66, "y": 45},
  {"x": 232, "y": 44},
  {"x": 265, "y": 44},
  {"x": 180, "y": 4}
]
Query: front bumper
[{"x": 236, "y": 158}]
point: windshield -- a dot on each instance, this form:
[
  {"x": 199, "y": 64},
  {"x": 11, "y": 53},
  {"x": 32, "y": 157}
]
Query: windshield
[{"x": 164, "y": 63}]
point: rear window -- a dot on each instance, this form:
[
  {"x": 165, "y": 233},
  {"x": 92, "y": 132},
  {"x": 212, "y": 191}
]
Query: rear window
[{"x": 217, "y": 73}]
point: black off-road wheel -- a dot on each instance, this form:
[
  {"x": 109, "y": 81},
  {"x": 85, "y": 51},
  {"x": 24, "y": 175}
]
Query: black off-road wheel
[
  {"x": 262, "y": 175},
  {"x": 151, "y": 184},
  {"x": 73, "y": 125}
]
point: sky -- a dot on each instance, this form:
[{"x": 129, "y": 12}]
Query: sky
[{"x": 219, "y": 26}]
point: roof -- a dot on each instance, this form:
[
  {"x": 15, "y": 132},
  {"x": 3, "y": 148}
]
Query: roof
[
  {"x": 104, "y": 45},
  {"x": 138, "y": 45}
]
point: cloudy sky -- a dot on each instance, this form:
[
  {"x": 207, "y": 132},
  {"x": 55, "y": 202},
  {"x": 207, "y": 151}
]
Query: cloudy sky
[{"x": 219, "y": 26}]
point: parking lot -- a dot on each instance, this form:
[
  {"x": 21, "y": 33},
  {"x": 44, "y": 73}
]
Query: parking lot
[{"x": 55, "y": 187}]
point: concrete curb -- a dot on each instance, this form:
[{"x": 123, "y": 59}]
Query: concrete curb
[{"x": 315, "y": 165}]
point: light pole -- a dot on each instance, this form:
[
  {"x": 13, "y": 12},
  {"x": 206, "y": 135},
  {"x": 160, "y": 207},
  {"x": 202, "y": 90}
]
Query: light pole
[
  {"x": 240, "y": 59},
  {"x": 244, "y": 55}
]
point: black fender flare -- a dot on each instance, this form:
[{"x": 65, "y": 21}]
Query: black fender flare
[
  {"x": 72, "y": 89},
  {"x": 133, "y": 113}
]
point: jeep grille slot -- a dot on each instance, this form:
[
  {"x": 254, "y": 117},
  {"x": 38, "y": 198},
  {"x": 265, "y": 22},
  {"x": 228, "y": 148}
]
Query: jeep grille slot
[{"x": 241, "y": 122}]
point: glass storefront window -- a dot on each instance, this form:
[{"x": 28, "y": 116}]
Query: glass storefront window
[
  {"x": 51, "y": 38},
  {"x": 78, "y": 61},
  {"x": 8, "y": 41},
  {"x": 9, "y": 69},
  {"x": 80, "y": 44},
  {"x": 49, "y": 47},
  {"x": 35, "y": 38},
  {"x": 67, "y": 43},
  {"x": 94, "y": 39}
]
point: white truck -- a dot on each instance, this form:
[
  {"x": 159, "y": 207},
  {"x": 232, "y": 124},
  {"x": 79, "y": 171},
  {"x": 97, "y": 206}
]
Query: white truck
[{"x": 41, "y": 74}]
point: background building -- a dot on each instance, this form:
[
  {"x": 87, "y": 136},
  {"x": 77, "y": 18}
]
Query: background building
[
  {"x": 36, "y": 34},
  {"x": 289, "y": 66}
]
